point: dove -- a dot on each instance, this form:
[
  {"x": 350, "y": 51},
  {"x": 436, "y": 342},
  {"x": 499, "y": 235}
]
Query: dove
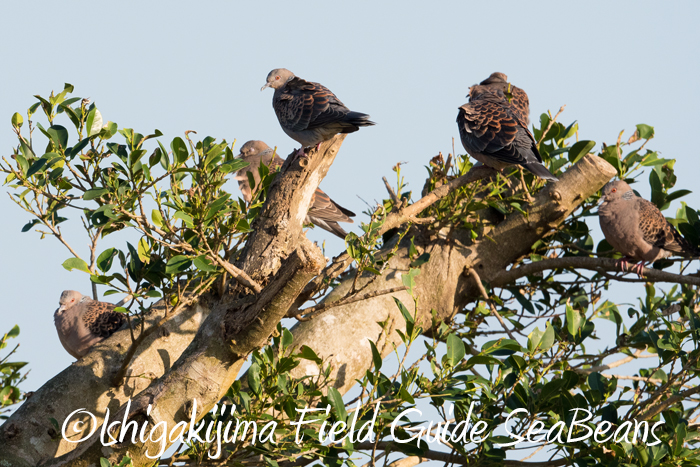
[
  {"x": 493, "y": 134},
  {"x": 323, "y": 211},
  {"x": 516, "y": 96},
  {"x": 310, "y": 113},
  {"x": 636, "y": 228},
  {"x": 82, "y": 322}
]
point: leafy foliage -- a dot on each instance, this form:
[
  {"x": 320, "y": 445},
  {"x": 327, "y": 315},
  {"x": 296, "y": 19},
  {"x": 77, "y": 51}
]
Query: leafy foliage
[{"x": 10, "y": 375}]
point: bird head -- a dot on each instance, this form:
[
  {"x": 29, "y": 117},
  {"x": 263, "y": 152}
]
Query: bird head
[
  {"x": 277, "y": 78},
  {"x": 496, "y": 78},
  {"x": 615, "y": 190},
  {"x": 251, "y": 149},
  {"x": 68, "y": 299}
]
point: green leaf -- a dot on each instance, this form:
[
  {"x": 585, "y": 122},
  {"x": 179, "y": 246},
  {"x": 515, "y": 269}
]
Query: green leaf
[
  {"x": 254, "y": 378},
  {"x": 94, "y": 193},
  {"x": 534, "y": 339},
  {"x": 94, "y": 122},
  {"x": 186, "y": 218},
  {"x": 180, "y": 152},
  {"x": 22, "y": 163},
  {"x": 104, "y": 462},
  {"x": 17, "y": 120},
  {"x": 404, "y": 311},
  {"x": 104, "y": 261},
  {"x": 307, "y": 353},
  {"x": 376, "y": 356},
  {"x": 336, "y": 401},
  {"x": 287, "y": 338},
  {"x": 204, "y": 264},
  {"x": 547, "y": 338},
  {"x": 455, "y": 349},
  {"x": 645, "y": 131},
  {"x": 177, "y": 264},
  {"x": 76, "y": 263},
  {"x": 409, "y": 279},
  {"x": 157, "y": 218},
  {"x": 28, "y": 226},
  {"x": 59, "y": 136},
  {"x": 233, "y": 166},
  {"x": 573, "y": 320},
  {"x": 14, "y": 332},
  {"x": 144, "y": 250},
  {"x": 501, "y": 347},
  {"x": 580, "y": 149}
]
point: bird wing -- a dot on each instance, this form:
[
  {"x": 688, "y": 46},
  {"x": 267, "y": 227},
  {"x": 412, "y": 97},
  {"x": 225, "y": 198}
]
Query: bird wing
[
  {"x": 520, "y": 103},
  {"x": 490, "y": 127},
  {"x": 322, "y": 207},
  {"x": 101, "y": 319},
  {"x": 657, "y": 231},
  {"x": 304, "y": 105}
]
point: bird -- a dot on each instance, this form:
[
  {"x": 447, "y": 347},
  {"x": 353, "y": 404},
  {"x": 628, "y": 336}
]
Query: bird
[
  {"x": 308, "y": 112},
  {"x": 82, "y": 322},
  {"x": 636, "y": 228},
  {"x": 516, "y": 96},
  {"x": 492, "y": 133},
  {"x": 323, "y": 211}
]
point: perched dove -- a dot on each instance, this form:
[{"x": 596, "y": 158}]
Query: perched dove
[
  {"x": 82, "y": 322},
  {"x": 324, "y": 212},
  {"x": 516, "y": 96},
  {"x": 309, "y": 112},
  {"x": 636, "y": 228},
  {"x": 493, "y": 134}
]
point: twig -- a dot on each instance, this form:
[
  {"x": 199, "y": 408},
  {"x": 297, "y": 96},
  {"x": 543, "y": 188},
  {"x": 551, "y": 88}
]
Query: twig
[
  {"x": 238, "y": 274},
  {"x": 394, "y": 198},
  {"x": 549, "y": 126},
  {"x": 477, "y": 279}
]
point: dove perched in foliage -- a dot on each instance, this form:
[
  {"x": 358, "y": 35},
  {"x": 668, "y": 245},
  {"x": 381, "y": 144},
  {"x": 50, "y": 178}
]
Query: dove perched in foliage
[
  {"x": 309, "y": 112},
  {"x": 492, "y": 133},
  {"x": 323, "y": 211},
  {"x": 82, "y": 322},
  {"x": 636, "y": 228}
]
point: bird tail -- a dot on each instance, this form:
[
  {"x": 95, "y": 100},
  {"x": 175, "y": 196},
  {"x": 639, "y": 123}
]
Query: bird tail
[
  {"x": 541, "y": 171},
  {"x": 330, "y": 226},
  {"x": 358, "y": 119}
]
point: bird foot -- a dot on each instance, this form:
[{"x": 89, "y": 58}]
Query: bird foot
[
  {"x": 301, "y": 154},
  {"x": 638, "y": 268}
]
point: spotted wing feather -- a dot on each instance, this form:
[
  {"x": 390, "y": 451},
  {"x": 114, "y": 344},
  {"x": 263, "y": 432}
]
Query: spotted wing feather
[
  {"x": 657, "y": 231},
  {"x": 101, "y": 319},
  {"x": 304, "y": 105}
]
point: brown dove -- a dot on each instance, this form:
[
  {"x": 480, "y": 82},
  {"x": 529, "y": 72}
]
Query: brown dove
[
  {"x": 309, "y": 112},
  {"x": 516, "y": 96},
  {"x": 82, "y": 322},
  {"x": 323, "y": 211},
  {"x": 636, "y": 228},
  {"x": 493, "y": 134}
]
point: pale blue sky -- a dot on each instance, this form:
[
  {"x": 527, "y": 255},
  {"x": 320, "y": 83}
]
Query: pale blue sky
[{"x": 180, "y": 66}]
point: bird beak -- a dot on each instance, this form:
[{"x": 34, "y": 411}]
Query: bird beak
[
  {"x": 267, "y": 85},
  {"x": 60, "y": 309}
]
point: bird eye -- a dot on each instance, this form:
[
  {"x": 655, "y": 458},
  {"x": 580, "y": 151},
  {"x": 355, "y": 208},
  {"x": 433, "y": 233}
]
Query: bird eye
[
  {"x": 277, "y": 77},
  {"x": 613, "y": 190}
]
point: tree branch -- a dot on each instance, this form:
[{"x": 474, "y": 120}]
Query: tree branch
[{"x": 592, "y": 264}]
